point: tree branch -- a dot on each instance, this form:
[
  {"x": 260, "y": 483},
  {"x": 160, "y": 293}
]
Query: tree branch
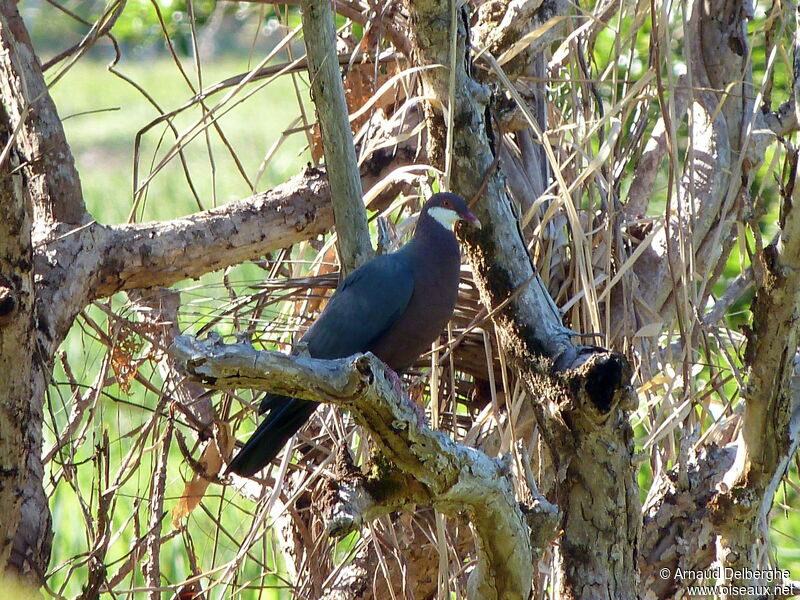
[
  {"x": 677, "y": 531},
  {"x": 458, "y": 479},
  {"x": 649, "y": 165},
  {"x": 327, "y": 92},
  {"x": 582, "y": 393},
  {"x": 86, "y": 263},
  {"x": 516, "y": 31},
  {"x": 17, "y": 334},
  {"x": 53, "y": 184},
  {"x": 39, "y": 186},
  {"x": 770, "y": 434},
  {"x": 737, "y": 516},
  {"x": 729, "y": 139}
]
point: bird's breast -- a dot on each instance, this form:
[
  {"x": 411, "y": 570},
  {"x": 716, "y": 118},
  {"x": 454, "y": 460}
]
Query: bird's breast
[{"x": 429, "y": 309}]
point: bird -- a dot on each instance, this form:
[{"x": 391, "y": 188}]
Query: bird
[{"x": 394, "y": 305}]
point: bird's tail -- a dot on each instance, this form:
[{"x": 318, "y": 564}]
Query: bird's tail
[{"x": 286, "y": 416}]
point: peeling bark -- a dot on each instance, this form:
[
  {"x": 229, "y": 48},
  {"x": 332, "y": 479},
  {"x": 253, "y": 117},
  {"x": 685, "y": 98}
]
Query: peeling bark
[
  {"x": 582, "y": 393},
  {"x": 771, "y": 432},
  {"x": 457, "y": 479}
]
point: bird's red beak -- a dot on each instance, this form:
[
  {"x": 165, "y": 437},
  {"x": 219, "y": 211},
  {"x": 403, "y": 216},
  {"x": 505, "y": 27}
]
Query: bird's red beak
[{"x": 471, "y": 219}]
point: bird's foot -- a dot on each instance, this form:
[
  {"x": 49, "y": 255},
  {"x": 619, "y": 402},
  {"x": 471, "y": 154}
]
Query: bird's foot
[
  {"x": 398, "y": 386},
  {"x": 422, "y": 420},
  {"x": 397, "y": 383}
]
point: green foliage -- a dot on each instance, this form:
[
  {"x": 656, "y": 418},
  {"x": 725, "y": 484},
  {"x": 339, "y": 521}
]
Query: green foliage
[{"x": 145, "y": 22}]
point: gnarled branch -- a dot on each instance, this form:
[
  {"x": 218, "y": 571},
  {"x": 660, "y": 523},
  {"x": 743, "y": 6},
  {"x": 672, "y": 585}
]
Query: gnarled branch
[
  {"x": 582, "y": 393},
  {"x": 105, "y": 259},
  {"x": 457, "y": 479}
]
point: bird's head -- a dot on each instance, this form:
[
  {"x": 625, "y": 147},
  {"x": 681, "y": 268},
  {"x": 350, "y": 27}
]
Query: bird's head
[{"x": 448, "y": 208}]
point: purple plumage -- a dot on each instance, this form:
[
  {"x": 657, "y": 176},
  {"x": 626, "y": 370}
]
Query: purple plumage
[{"x": 394, "y": 306}]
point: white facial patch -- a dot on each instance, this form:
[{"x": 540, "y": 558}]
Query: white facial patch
[{"x": 445, "y": 216}]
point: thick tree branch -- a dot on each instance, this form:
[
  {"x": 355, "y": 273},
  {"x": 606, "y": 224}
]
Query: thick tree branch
[
  {"x": 94, "y": 261},
  {"x": 52, "y": 181},
  {"x": 582, "y": 394},
  {"x": 32, "y": 144},
  {"x": 771, "y": 432},
  {"x": 457, "y": 479},
  {"x": 17, "y": 336},
  {"x": 327, "y": 92}
]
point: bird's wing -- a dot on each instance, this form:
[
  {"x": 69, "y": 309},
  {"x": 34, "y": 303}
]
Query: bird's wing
[
  {"x": 270, "y": 437},
  {"x": 363, "y": 308}
]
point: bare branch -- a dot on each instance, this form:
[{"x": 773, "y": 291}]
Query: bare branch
[
  {"x": 783, "y": 121},
  {"x": 17, "y": 334},
  {"x": 52, "y": 181},
  {"x": 327, "y": 92},
  {"x": 159, "y": 308},
  {"x": 582, "y": 394},
  {"x": 96, "y": 260},
  {"x": 771, "y": 432},
  {"x": 649, "y": 164},
  {"x": 152, "y": 568},
  {"x": 457, "y": 478}
]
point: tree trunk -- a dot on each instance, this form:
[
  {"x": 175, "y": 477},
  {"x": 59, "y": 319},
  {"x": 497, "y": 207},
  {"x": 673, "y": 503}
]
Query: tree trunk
[{"x": 581, "y": 396}]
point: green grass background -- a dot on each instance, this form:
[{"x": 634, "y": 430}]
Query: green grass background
[{"x": 102, "y": 115}]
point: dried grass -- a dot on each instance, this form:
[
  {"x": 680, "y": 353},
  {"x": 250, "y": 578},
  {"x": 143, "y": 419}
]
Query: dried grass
[{"x": 265, "y": 533}]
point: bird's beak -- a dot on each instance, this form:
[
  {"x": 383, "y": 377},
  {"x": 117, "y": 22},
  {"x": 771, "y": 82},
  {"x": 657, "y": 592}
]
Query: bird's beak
[{"x": 472, "y": 219}]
